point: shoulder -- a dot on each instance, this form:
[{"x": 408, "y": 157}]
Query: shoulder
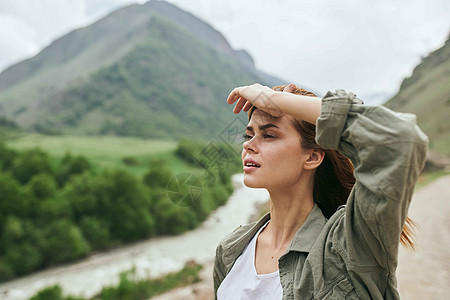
[
  {"x": 237, "y": 233},
  {"x": 242, "y": 233},
  {"x": 334, "y": 227}
]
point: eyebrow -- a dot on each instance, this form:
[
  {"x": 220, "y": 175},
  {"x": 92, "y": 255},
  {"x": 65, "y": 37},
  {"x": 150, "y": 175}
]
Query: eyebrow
[{"x": 262, "y": 127}]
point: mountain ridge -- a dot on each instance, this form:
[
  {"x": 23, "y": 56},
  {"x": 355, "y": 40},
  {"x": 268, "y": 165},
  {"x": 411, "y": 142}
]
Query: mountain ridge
[
  {"x": 426, "y": 93},
  {"x": 39, "y": 93}
]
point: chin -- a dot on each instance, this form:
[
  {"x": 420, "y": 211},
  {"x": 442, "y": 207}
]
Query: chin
[{"x": 252, "y": 182}]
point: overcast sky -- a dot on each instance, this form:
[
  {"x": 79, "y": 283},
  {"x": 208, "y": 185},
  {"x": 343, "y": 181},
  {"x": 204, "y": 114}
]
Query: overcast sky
[{"x": 362, "y": 46}]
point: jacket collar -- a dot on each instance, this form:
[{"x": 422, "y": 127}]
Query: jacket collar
[
  {"x": 306, "y": 236},
  {"x": 302, "y": 241}
]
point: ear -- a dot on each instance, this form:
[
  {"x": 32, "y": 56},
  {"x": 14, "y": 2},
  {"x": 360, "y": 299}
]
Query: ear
[{"x": 314, "y": 159}]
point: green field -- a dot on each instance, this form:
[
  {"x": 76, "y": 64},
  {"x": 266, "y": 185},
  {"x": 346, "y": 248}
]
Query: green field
[{"x": 106, "y": 151}]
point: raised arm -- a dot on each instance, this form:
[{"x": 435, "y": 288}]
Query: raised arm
[
  {"x": 276, "y": 103},
  {"x": 387, "y": 149}
]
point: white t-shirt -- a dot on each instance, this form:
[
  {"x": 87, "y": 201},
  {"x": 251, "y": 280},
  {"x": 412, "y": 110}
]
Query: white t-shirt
[{"x": 243, "y": 283}]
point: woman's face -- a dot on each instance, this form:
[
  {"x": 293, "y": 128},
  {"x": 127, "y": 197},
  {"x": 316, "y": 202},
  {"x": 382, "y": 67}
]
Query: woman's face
[{"x": 275, "y": 145}]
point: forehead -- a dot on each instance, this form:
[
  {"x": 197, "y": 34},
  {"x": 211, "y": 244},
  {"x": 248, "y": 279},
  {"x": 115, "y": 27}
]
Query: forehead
[{"x": 260, "y": 118}]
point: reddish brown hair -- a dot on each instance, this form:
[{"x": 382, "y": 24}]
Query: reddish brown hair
[{"x": 333, "y": 179}]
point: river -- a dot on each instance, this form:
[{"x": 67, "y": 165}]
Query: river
[{"x": 151, "y": 258}]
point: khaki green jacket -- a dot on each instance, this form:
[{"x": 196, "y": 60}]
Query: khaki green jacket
[{"x": 353, "y": 255}]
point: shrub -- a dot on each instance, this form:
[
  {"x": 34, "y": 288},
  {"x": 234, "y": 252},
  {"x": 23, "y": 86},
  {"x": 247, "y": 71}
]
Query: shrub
[
  {"x": 53, "y": 209},
  {"x": 170, "y": 218},
  {"x": 187, "y": 150},
  {"x": 30, "y": 163},
  {"x": 71, "y": 166},
  {"x": 42, "y": 186},
  {"x": 96, "y": 232},
  {"x": 6, "y": 272},
  {"x": 12, "y": 200},
  {"x": 158, "y": 175},
  {"x": 130, "y": 161},
  {"x": 49, "y": 293},
  {"x": 65, "y": 242},
  {"x": 7, "y": 157},
  {"x": 23, "y": 257}
]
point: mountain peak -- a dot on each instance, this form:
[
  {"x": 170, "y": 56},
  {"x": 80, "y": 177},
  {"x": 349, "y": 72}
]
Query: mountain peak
[
  {"x": 201, "y": 29},
  {"x": 144, "y": 70}
]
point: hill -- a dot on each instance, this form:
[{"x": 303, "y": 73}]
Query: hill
[
  {"x": 149, "y": 70},
  {"x": 426, "y": 93}
]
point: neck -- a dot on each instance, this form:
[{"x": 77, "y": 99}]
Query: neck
[{"x": 289, "y": 208}]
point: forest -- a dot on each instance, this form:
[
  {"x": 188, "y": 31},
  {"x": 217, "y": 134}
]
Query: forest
[{"x": 54, "y": 213}]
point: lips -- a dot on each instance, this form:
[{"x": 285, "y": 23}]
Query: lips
[{"x": 251, "y": 161}]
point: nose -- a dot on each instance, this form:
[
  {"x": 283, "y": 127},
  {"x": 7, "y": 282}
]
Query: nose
[{"x": 249, "y": 145}]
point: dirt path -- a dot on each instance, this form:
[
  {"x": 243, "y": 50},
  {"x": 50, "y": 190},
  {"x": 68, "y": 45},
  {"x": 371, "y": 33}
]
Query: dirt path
[{"x": 423, "y": 274}]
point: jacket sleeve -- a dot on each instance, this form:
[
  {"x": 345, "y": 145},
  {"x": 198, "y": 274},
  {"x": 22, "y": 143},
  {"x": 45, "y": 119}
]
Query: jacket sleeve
[
  {"x": 219, "y": 270},
  {"x": 388, "y": 152}
]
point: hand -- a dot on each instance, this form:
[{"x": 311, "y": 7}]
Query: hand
[{"x": 257, "y": 95}]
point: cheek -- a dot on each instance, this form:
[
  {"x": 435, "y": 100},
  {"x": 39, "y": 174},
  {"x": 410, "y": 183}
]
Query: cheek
[{"x": 287, "y": 161}]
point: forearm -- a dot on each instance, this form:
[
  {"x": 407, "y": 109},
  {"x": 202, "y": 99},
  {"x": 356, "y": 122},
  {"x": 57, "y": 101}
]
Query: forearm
[{"x": 301, "y": 107}]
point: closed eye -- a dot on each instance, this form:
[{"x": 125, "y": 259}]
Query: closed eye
[{"x": 247, "y": 137}]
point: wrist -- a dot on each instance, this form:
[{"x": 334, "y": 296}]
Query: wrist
[
  {"x": 278, "y": 103},
  {"x": 301, "y": 107}
]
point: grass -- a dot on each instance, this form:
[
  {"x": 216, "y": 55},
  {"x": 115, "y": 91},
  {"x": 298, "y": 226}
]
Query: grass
[
  {"x": 131, "y": 288},
  {"x": 106, "y": 151}
]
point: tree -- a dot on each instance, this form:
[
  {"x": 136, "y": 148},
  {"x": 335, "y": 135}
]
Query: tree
[
  {"x": 42, "y": 186},
  {"x": 20, "y": 247},
  {"x": 12, "y": 200},
  {"x": 65, "y": 242},
  {"x": 115, "y": 197},
  {"x": 170, "y": 218},
  {"x": 129, "y": 212},
  {"x": 71, "y": 166},
  {"x": 30, "y": 163},
  {"x": 187, "y": 150},
  {"x": 7, "y": 156},
  {"x": 96, "y": 232},
  {"x": 23, "y": 257},
  {"x": 158, "y": 174},
  {"x": 88, "y": 194}
]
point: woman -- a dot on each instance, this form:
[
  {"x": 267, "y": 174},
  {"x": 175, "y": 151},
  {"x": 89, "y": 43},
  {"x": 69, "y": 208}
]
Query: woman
[{"x": 310, "y": 246}]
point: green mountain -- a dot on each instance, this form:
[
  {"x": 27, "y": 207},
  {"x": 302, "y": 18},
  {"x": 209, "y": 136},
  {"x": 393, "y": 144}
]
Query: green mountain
[
  {"x": 149, "y": 70},
  {"x": 426, "y": 93}
]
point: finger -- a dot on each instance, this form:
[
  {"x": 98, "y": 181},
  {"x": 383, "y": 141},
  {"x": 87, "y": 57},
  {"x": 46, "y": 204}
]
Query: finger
[
  {"x": 239, "y": 105},
  {"x": 234, "y": 95},
  {"x": 230, "y": 98},
  {"x": 290, "y": 88},
  {"x": 247, "y": 106}
]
